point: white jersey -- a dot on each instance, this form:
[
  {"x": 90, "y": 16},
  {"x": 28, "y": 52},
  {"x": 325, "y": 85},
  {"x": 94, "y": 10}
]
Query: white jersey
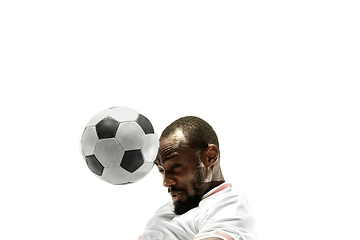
[{"x": 221, "y": 213}]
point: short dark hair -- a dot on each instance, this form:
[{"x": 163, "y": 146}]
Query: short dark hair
[{"x": 197, "y": 132}]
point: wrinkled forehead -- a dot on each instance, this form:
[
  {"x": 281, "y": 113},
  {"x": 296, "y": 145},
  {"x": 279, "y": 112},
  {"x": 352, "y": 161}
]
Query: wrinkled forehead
[
  {"x": 175, "y": 137},
  {"x": 172, "y": 143},
  {"x": 174, "y": 140}
]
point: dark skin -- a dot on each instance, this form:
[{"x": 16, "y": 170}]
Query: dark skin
[{"x": 178, "y": 164}]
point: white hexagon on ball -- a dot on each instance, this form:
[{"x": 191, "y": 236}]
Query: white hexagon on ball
[
  {"x": 122, "y": 114},
  {"x": 130, "y": 135},
  {"x": 89, "y": 140},
  {"x": 150, "y": 148},
  {"x": 116, "y": 175},
  {"x": 108, "y": 152}
]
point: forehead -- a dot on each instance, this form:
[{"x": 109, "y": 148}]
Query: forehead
[
  {"x": 176, "y": 137},
  {"x": 174, "y": 140},
  {"x": 173, "y": 143}
]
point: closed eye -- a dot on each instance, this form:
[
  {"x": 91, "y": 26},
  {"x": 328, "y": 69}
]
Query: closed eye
[
  {"x": 175, "y": 166},
  {"x": 161, "y": 170}
]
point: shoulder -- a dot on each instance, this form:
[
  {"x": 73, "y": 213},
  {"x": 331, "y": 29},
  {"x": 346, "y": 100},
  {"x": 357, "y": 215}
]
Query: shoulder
[
  {"x": 163, "y": 215},
  {"x": 228, "y": 202},
  {"x": 166, "y": 209},
  {"x": 223, "y": 196},
  {"x": 227, "y": 210}
]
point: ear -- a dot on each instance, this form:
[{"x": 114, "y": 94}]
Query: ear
[{"x": 210, "y": 155}]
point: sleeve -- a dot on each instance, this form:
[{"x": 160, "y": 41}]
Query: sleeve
[{"x": 229, "y": 219}]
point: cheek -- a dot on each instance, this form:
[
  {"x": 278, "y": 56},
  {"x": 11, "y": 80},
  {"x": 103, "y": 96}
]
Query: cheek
[{"x": 186, "y": 182}]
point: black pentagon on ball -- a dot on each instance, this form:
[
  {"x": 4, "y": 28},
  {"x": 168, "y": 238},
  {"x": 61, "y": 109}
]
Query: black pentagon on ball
[
  {"x": 132, "y": 160},
  {"x": 107, "y": 128},
  {"x": 94, "y": 165},
  {"x": 145, "y": 124}
]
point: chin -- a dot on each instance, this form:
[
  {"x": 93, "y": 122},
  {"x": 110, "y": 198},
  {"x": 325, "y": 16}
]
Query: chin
[{"x": 181, "y": 207}]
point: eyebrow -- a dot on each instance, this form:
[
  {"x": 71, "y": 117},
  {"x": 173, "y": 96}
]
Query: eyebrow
[{"x": 157, "y": 161}]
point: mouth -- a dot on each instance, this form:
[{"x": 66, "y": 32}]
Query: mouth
[{"x": 176, "y": 196}]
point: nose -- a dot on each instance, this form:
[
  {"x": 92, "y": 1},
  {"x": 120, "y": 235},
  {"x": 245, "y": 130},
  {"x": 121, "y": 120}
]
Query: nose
[{"x": 168, "y": 182}]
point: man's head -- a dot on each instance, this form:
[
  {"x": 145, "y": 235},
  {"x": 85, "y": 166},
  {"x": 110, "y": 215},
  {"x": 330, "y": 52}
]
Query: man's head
[{"x": 188, "y": 159}]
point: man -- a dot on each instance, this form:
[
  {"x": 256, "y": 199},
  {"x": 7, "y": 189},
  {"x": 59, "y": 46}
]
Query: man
[{"x": 203, "y": 205}]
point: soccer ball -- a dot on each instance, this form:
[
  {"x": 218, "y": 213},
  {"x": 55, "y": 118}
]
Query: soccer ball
[{"x": 119, "y": 145}]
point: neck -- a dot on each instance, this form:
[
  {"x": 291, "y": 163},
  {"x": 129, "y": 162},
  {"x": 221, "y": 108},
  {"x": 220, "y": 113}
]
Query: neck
[
  {"x": 214, "y": 177},
  {"x": 211, "y": 185}
]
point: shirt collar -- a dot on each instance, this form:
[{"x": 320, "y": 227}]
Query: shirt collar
[{"x": 217, "y": 189}]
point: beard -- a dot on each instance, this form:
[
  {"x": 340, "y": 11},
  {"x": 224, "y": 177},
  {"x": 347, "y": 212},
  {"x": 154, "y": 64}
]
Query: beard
[{"x": 197, "y": 184}]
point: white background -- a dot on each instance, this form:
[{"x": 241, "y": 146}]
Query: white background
[{"x": 278, "y": 81}]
